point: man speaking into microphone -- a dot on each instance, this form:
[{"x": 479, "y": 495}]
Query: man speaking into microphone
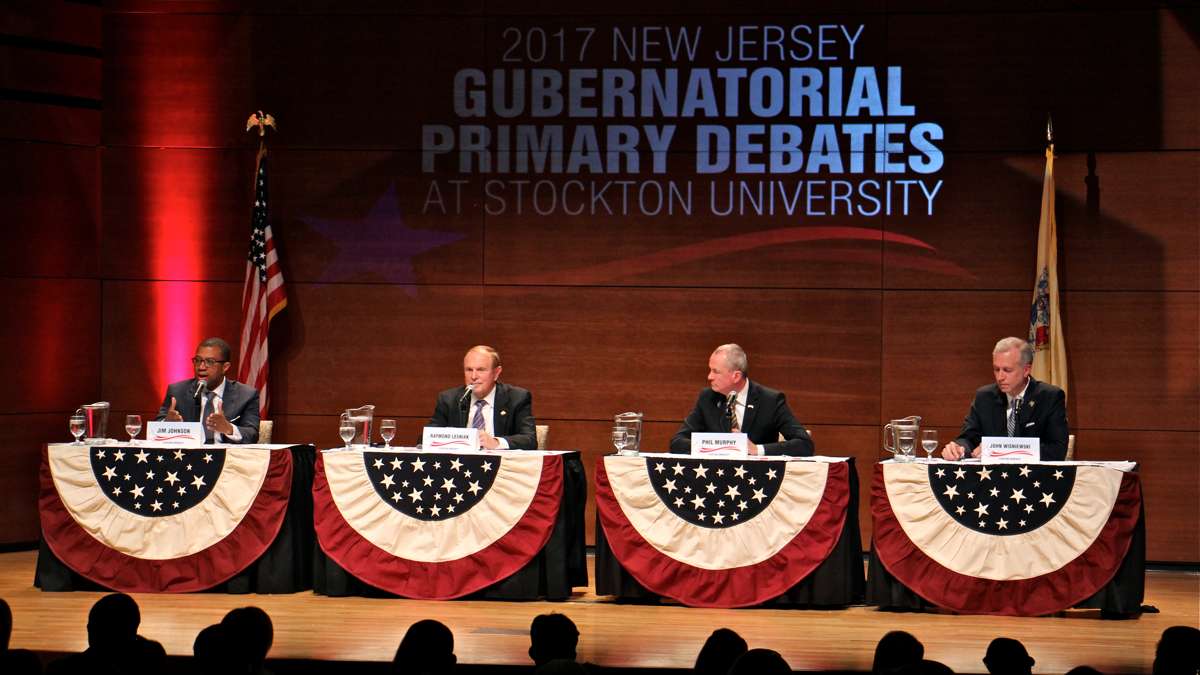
[
  {"x": 502, "y": 413},
  {"x": 228, "y": 409},
  {"x": 734, "y": 404}
]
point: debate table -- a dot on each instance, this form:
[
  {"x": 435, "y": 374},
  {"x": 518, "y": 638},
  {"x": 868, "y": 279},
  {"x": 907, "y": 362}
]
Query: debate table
[
  {"x": 1007, "y": 539},
  {"x": 729, "y": 532},
  {"x": 442, "y": 525},
  {"x": 158, "y": 518}
]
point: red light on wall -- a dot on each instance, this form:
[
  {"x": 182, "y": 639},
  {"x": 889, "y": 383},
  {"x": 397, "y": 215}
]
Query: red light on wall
[{"x": 169, "y": 74}]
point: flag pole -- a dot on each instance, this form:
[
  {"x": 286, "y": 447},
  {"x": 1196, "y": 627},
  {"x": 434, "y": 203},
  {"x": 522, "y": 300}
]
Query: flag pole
[
  {"x": 263, "y": 294},
  {"x": 1045, "y": 319}
]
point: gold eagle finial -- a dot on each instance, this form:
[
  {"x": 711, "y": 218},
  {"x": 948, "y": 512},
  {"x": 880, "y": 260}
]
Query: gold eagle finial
[{"x": 258, "y": 119}]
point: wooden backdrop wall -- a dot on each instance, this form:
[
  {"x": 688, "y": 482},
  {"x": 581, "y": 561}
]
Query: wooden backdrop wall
[
  {"x": 50, "y": 112},
  {"x": 599, "y": 314}
]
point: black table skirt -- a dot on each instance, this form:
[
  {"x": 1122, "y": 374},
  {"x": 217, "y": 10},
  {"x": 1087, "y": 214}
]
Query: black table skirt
[
  {"x": 285, "y": 567},
  {"x": 836, "y": 582},
  {"x": 1122, "y": 596},
  {"x": 553, "y": 572}
]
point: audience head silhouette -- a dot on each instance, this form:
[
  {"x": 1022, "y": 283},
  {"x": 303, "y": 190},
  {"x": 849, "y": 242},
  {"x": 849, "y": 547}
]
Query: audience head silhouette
[
  {"x": 113, "y": 621},
  {"x": 5, "y": 624},
  {"x": 760, "y": 662},
  {"x": 1006, "y": 656},
  {"x": 897, "y": 650},
  {"x": 249, "y": 634},
  {"x": 719, "y": 652},
  {"x": 552, "y": 636},
  {"x": 113, "y": 642},
  {"x": 1084, "y": 670},
  {"x": 211, "y": 649},
  {"x": 1178, "y": 651},
  {"x": 427, "y": 648}
]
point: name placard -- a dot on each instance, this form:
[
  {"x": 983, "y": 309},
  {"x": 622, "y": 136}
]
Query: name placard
[
  {"x": 719, "y": 445},
  {"x": 175, "y": 433},
  {"x": 1006, "y": 450},
  {"x": 450, "y": 438}
]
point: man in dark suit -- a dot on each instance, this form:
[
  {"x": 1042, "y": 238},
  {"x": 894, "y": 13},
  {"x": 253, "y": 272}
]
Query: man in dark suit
[
  {"x": 228, "y": 409},
  {"x": 502, "y": 413},
  {"x": 733, "y": 403},
  {"x": 1016, "y": 405}
]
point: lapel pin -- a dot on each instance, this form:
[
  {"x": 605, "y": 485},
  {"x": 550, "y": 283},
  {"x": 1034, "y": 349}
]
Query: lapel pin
[
  {"x": 503, "y": 412},
  {"x": 749, "y": 405},
  {"x": 1031, "y": 403}
]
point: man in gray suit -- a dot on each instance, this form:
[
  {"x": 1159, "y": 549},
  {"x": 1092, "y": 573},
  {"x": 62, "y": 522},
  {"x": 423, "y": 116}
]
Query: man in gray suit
[{"x": 228, "y": 409}]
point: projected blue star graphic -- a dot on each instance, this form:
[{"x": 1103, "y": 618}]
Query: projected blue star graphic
[{"x": 378, "y": 247}]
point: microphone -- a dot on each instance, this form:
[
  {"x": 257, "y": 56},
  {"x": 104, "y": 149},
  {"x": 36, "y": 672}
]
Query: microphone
[
  {"x": 201, "y": 388},
  {"x": 466, "y": 396},
  {"x": 729, "y": 407}
]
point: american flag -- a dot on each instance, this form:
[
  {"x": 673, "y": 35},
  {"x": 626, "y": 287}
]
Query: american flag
[{"x": 263, "y": 295}]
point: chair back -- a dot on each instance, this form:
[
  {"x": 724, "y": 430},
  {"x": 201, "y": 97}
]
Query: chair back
[
  {"x": 264, "y": 430},
  {"x": 543, "y": 430},
  {"x": 1070, "y": 446}
]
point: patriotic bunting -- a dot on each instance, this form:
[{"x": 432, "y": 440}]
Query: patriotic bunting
[
  {"x": 714, "y": 532},
  {"x": 435, "y": 525},
  {"x": 1003, "y": 539},
  {"x": 154, "y": 519}
]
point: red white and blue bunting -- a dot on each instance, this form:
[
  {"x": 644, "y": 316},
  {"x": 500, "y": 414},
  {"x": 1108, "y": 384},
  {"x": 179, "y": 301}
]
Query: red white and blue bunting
[
  {"x": 1003, "y": 539},
  {"x": 435, "y": 525},
  {"x": 162, "y": 519},
  {"x": 720, "y": 532}
]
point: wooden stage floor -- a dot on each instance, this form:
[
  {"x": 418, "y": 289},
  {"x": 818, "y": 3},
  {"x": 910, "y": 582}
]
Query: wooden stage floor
[{"x": 360, "y": 629}]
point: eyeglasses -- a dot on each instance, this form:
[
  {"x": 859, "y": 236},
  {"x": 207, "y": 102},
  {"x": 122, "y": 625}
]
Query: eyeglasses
[{"x": 196, "y": 361}]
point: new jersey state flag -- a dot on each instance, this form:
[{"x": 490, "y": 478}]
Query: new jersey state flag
[
  {"x": 724, "y": 532},
  {"x": 435, "y": 525},
  {"x": 154, "y": 519},
  {"x": 1003, "y": 538}
]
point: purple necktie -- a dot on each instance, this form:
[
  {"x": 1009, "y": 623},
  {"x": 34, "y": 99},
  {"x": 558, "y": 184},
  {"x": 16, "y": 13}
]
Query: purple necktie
[{"x": 478, "y": 421}]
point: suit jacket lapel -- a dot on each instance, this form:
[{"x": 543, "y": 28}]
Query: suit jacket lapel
[
  {"x": 751, "y": 408},
  {"x": 1025, "y": 414},
  {"x": 191, "y": 407},
  {"x": 500, "y": 411},
  {"x": 1001, "y": 412}
]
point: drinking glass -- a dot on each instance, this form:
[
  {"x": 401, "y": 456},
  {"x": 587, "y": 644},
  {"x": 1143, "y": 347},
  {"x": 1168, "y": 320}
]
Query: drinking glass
[
  {"x": 906, "y": 441},
  {"x": 387, "y": 429},
  {"x": 346, "y": 430},
  {"x": 619, "y": 439},
  {"x": 78, "y": 426},
  {"x": 133, "y": 426},
  {"x": 929, "y": 441}
]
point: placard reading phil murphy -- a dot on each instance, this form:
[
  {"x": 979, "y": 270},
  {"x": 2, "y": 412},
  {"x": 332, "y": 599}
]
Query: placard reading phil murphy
[{"x": 740, "y": 120}]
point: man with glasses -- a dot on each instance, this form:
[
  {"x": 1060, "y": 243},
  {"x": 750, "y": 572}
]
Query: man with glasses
[{"x": 228, "y": 409}]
